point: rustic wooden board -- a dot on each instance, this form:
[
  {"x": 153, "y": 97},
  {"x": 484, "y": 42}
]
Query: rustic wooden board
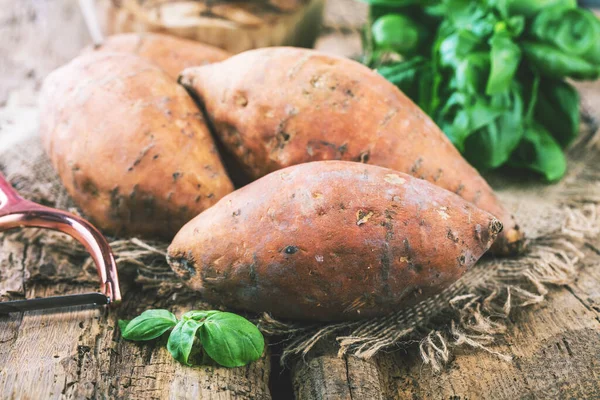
[{"x": 79, "y": 353}]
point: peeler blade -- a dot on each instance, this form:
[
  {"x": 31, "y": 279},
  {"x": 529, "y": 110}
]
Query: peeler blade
[{"x": 71, "y": 300}]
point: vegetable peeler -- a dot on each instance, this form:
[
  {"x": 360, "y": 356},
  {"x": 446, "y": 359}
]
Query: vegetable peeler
[{"x": 17, "y": 212}]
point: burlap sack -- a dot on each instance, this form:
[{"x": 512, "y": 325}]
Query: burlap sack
[{"x": 558, "y": 219}]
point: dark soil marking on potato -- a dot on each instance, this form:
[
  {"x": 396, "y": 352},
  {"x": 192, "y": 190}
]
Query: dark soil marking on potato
[
  {"x": 148, "y": 204},
  {"x": 89, "y": 187},
  {"x": 364, "y": 157},
  {"x": 140, "y": 157},
  {"x": 452, "y": 236},
  {"x": 252, "y": 272},
  {"x": 184, "y": 267},
  {"x": 416, "y": 166}
]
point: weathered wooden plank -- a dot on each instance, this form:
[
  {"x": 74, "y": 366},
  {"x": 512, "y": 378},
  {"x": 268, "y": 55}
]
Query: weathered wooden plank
[
  {"x": 324, "y": 375},
  {"x": 78, "y": 353}
]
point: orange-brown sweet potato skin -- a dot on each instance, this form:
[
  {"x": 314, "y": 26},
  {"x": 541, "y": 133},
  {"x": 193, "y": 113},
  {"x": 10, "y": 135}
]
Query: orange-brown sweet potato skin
[
  {"x": 331, "y": 240},
  {"x": 169, "y": 53},
  {"x": 130, "y": 145},
  {"x": 278, "y": 107}
]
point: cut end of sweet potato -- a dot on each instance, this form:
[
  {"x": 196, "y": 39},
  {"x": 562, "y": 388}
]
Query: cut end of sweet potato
[{"x": 511, "y": 243}]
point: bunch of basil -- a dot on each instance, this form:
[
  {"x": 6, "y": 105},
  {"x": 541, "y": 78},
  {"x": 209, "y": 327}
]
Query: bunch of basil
[
  {"x": 491, "y": 73},
  {"x": 226, "y": 338}
]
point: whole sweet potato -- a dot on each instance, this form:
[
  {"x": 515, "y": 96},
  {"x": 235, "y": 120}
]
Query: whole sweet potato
[
  {"x": 130, "y": 145},
  {"x": 170, "y": 53},
  {"x": 278, "y": 107},
  {"x": 331, "y": 240}
]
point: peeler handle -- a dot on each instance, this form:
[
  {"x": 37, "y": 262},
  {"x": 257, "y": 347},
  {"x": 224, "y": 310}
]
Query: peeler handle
[
  {"x": 8, "y": 195},
  {"x": 16, "y": 212}
]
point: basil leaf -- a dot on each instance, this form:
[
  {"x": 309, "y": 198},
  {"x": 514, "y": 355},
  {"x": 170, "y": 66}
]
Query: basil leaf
[
  {"x": 414, "y": 77},
  {"x": 456, "y": 47},
  {"x": 573, "y": 31},
  {"x": 123, "y": 324},
  {"x": 472, "y": 73},
  {"x": 493, "y": 143},
  {"x": 181, "y": 339},
  {"x": 557, "y": 110},
  {"x": 396, "y": 32},
  {"x": 396, "y": 3},
  {"x": 553, "y": 63},
  {"x": 231, "y": 340},
  {"x": 505, "y": 58},
  {"x": 539, "y": 152},
  {"x": 516, "y": 25},
  {"x": 149, "y": 325},
  {"x": 198, "y": 315},
  {"x": 529, "y": 8}
]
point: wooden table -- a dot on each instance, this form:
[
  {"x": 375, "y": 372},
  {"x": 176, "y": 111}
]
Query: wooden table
[{"x": 79, "y": 353}]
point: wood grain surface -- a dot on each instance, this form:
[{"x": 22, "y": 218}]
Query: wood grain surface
[{"x": 79, "y": 354}]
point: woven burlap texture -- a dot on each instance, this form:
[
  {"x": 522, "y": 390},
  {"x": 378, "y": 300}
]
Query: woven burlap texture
[{"x": 558, "y": 219}]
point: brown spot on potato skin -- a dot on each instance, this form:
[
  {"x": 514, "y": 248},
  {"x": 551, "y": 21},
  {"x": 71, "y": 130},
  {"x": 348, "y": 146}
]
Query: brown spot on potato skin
[
  {"x": 89, "y": 187},
  {"x": 332, "y": 261},
  {"x": 379, "y": 117},
  {"x": 128, "y": 112}
]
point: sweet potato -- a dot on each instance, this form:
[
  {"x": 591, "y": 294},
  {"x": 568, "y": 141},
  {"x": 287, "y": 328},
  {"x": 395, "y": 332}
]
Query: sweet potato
[
  {"x": 278, "y": 107},
  {"x": 130, "y": 145},
  {"x": 170, "y": 53},
  {"x": 331, "y": 240}
]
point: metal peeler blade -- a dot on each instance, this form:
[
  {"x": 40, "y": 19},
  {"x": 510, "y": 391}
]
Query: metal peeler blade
[
  {"x": 70, "y": 300},
  {"x": 16, "y": 212}
]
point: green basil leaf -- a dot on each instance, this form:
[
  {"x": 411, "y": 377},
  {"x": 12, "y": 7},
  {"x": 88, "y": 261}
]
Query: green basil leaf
[
  {"x": 149, "y": 325},
  {"x": 529, "y": 8},
  {"x": 557, "y": 110},
  {"x": 574, "y": 31},
  {"x": 396, "y": 3},
  {"x": 492, "y": 144},
  {"x": 414, "y": 77},
  {"x": 123, "y": 324},
  {"x": 198, "y": 315},
  {"x": 505, "y": 58},
  {"x": 553, "y": 63},
  {"x": 539, "y": 152},
  {"x": 396, "y": 32},
  {"x": 181, "y": 339},
  {"x": 456, "y": 47},
  {"x": 231, "y": 340},
  {"x": 472, "y": 73},
  {"x": 516, "y": 25}
]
